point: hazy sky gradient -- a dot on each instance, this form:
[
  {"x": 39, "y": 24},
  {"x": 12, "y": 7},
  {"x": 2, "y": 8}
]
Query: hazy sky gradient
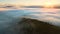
[{"x": 30, "y": 2}]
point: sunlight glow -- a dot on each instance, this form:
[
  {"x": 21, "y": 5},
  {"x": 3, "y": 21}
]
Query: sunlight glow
[{"x": 50, "y": 4}]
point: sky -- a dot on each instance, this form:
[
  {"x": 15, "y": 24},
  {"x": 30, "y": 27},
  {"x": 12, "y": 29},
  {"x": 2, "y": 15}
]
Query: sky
[{"x": 30, "y": 2}]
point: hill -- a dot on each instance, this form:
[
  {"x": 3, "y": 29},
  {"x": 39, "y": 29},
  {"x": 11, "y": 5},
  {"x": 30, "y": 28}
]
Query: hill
[{"x": 32, "y": 26}]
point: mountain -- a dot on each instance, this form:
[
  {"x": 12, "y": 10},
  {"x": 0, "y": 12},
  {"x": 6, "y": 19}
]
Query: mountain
[
  {"x": 57, "y": 6},
  {"x": 32, "y": 6},
  {"x": 8, "y": 6},
  {"x": 32, "y": 26}
]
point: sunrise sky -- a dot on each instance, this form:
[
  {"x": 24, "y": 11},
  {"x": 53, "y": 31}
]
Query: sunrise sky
[{"x": 30, "y": 2}]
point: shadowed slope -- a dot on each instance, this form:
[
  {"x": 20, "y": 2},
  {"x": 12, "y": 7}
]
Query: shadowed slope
[{"x": 31, "y": 26}]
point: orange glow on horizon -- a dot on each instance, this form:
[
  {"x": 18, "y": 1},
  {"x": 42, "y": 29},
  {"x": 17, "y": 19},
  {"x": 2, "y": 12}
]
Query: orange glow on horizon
[{"x": 2, "y": 8}]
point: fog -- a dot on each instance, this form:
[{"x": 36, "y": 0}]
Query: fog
[{"x": 9, "y": 18}]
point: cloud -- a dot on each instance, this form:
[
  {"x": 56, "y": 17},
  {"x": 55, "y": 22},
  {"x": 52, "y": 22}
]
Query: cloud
[
  {"x": 9, "y": 19},
  {"x": 53, "y": 17}
]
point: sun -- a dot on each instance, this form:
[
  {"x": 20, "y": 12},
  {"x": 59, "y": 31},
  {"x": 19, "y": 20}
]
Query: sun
[{"x": 49, "y": 4}]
